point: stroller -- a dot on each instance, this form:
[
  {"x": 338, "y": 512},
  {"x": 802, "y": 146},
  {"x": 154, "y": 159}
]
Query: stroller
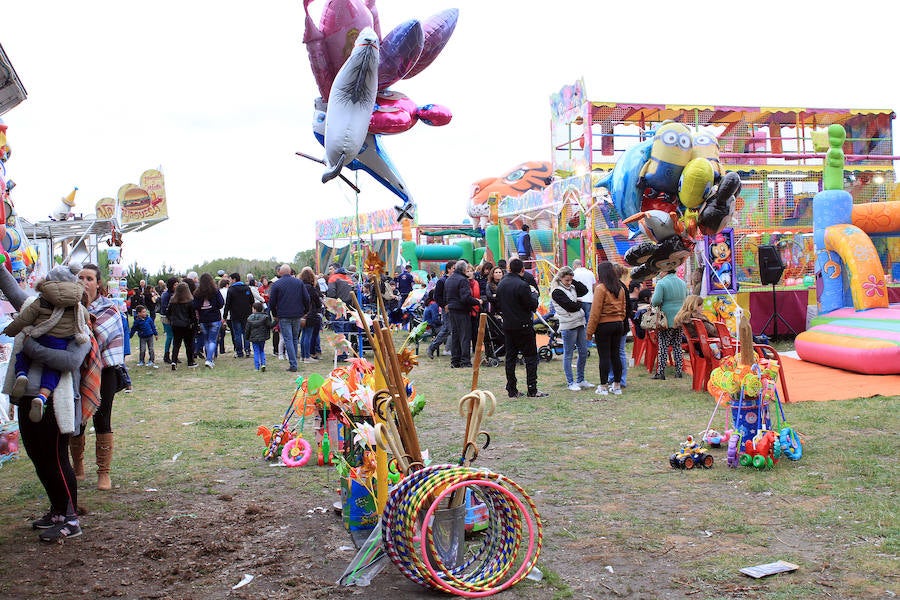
[
  {"x": 548, "y": 324},
  {"x": 493, "y": 341}
]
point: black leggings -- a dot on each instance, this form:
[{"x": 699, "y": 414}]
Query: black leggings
[
  {"x": 48, "y": 450},
  {"x": 103, "y": 417},
  {"x": 608, "y": 338}
]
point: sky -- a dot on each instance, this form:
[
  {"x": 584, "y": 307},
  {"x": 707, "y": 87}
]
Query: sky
[{"x": 219, "y": 95}]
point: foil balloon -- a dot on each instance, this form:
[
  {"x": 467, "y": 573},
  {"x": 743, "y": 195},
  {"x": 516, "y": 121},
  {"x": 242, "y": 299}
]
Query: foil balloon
[
  {"x": 437, "y": 30},
  {"x": 400, "y": 49},
  {"x": 655, "y": 224},
  {"x": 622, "y": 180},
  {"x": 717, "y": 212},
  {"x": 372, "y": 157},
  {"x": 669, "y": 154},
  {"x": 395, "y": 113},
  {"x": 327, "y": 45},
  {"x": 351, "y": 103}
]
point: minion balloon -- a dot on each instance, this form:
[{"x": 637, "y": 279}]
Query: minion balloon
[{"x": 669, "y": 155}]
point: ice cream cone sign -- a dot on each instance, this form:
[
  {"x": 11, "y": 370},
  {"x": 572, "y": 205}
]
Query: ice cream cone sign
[{"x": 64, "y": 208}]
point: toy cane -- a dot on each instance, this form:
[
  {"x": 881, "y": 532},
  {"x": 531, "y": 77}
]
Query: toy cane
[{"x": 482, "y": 322}]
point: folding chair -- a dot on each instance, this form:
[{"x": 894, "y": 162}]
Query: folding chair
[
  {"x": 705, "y": 342},
  {"x": 651, "y": 349},
  {"x": 699, "y": 365},
  {"x": 639, "y": 346}
]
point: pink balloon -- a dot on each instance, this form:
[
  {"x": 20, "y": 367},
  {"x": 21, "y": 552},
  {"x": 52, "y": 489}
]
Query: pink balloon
[
  {"x": 396, "y": 112},
  {"x": 438, "y": 29},
  {"x": 329, "y": 44}
]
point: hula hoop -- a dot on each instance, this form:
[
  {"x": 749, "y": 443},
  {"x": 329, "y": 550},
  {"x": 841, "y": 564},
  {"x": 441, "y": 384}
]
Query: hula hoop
[{"x": 304, "y": 452}]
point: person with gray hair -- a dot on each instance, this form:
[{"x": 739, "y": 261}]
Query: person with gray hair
[
  {"x": 564, "y": 293},
  {"x": 588, "y": 280}
]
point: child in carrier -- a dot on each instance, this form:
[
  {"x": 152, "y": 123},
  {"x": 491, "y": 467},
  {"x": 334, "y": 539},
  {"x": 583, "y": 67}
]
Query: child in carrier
[{"x": 53, "y": 320}]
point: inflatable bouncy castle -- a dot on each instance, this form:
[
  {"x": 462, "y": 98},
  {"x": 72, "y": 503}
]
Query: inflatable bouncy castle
[{"x": 857, "y": 328}]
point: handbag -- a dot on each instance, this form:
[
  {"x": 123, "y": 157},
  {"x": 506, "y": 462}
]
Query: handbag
[
  {"x": 123, "y": 379},
  {"x": 654, "y": 318}
]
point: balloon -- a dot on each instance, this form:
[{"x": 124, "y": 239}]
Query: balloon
[
  {"x": 400, "y": 49},
  {"x": 327, "y": 44},
  {"x": 696, "y": 182},
  {"x": 395, "y": 113},
  {"x": 437, "y": 30},
  {"x": 655, "y": 224},
  {"x": 717, "y": 211},
  {"x": 351, "y": 104},
  {"x": 669, "y": 154},
  {"x": 622, "y": 180}
]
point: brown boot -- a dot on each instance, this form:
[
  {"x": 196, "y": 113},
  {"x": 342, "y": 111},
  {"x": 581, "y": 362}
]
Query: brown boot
[
  {"x": 104, "y": 459},
  {"x": 76, "y": 446}
]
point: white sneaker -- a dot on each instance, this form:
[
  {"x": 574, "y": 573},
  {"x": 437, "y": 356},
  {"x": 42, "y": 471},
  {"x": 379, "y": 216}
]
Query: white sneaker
[
  {"x": 601, "y": 390},
  {"x": 140, "y": 363},
  {"x": 209, "y": 364},
  {"x": 573, "y": 387},
  {"x": 152, "y": 365},
  {"x": 585, "y": 384},
  {"x": 617, "y": 391}
]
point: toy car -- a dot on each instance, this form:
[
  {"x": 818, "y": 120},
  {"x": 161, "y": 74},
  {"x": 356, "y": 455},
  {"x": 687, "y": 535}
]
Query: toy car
[{"x": 692, "y": 454}]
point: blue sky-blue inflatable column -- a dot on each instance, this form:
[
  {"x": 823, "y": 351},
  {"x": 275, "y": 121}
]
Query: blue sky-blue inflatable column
[{"x": 831, "y": 207}]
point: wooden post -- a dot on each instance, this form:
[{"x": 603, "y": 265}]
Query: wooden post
[{"x": 479, "y": 344}]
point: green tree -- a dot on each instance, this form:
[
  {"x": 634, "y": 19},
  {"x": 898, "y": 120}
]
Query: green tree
[{"x": 305, "y": 258}]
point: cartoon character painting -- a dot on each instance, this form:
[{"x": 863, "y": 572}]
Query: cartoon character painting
[{"x": 532, "y": 175}]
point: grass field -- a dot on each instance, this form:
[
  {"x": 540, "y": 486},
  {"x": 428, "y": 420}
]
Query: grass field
[{"x": 618, "y": 520}]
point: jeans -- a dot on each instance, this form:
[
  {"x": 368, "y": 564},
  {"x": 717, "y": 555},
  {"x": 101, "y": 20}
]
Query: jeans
[
  {"x": 241, "y": 343},
  {"x": 307, "y": 336},
  {"x": 623, "y": 356},
  {"x": 210, "y": 338},
  {"x": 259, "y": 354},
  {"x": 147, "y": 346},
  {"x": 170, "y": 335},
  {"x": 442, "y": 336},
  {"x": 290, "y": 332},
  {"x": 574, "y": 339}
]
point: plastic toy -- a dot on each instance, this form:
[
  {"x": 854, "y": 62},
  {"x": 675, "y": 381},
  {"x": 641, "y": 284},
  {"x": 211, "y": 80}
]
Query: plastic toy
[
  {"x": 760, "y": 451},
  {"x": 733, "y": 455},
  {"x": 692, "y": 454}
]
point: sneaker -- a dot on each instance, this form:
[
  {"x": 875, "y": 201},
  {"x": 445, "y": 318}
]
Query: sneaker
[
  {"x": 19, "y": 386},
  {"x": 129, "y": 389},
  {"x": 431, "y": 353},
  {"x": 617, "y": 391},
  {"x": 66, "y": 529},
  {"x": 585, "y": 384},
  {"x": 152, "y": 365},
  {"x": 49, "y": 520},
  {"x": 601, "y": 390},
  {"x": 291, "y": 369},
  {"x": 140, "y": 363},
  {"x": 174, "y": 366},
  {"x": 209, "y": 364},
  {"x": 314, "y": 359},
  {"x": 37, "y": 409},
  {"x": 573, "y": 387},
  {"x": 281, "y": 357},
  {"x": 262, "y": 368},
  {"x": 537, "y": 394},
  {"x": 515, "y": 394},
  {"x": 193, "y": 365}
]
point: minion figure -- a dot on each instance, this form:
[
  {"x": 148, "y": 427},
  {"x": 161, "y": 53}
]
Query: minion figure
[
  {"x": 706, "y": 145},
  {"x": 669, "y": 154}
]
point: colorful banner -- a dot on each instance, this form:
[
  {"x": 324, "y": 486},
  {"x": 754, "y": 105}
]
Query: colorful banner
[{"x": 380, "y": 221}]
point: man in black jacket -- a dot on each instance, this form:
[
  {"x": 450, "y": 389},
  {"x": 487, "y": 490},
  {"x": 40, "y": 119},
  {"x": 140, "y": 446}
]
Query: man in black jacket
[
  {"x": 518, "y": 301},
  {"x": 238, "y": 306},
  {"x": 443, "y": 336},
  {"x": 460, "y": 301}
]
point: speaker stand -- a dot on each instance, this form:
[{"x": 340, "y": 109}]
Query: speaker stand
[{"x": 775, "y": 318}]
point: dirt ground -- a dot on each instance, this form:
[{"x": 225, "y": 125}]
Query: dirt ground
[{"x": 183, "y": 547}]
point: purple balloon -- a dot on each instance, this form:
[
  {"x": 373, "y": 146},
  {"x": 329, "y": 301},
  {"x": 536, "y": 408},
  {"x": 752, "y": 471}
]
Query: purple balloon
[
  {"x": 438, "y": 29},
  {"x": 400, "y": 49}
]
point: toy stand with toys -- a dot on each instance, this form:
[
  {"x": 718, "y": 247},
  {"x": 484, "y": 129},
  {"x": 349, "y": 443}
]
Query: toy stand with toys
[{"x": 748, "y": 384}]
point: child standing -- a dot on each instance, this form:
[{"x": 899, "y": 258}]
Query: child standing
[
  {"x": 145, "y": 328},
  {"x": 259, "y": 328}
]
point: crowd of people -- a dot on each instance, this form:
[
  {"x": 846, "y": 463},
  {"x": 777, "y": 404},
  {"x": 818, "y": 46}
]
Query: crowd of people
[{"x": 74, "y": 328}]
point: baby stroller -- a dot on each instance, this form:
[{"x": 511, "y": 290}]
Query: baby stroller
[
  {"x": 493, "y": 341},
  {"x": 548, "y": 324}
]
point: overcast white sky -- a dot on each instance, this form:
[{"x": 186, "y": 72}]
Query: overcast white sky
[{"x": 220, "y": 94}]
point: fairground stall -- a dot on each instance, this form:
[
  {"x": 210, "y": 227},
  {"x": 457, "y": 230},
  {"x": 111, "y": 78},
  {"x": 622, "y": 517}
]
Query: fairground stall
[{"x": 778, "y": 153}]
